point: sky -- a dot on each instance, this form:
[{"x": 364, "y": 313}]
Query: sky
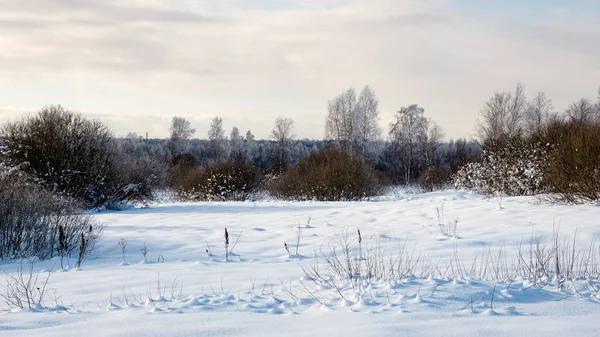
[{"x": 136, "y": 64}]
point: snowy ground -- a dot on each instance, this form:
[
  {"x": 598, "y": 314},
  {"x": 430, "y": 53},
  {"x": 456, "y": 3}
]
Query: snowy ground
[{"x": 263, "y": 291}]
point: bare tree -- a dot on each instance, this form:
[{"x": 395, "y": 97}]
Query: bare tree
[
  {"x": 352, "y": 120},
  {"x": 334, "y": 120},
  {"x": 406, "y": 133},
  {"x": 181, "y": 128},
  {"x": 181, "y": 131},
  {"x": 217, "y": 140},
  {"x": 341, "y": 118},
  {"x": 490, "y": 124},
  {"x": 216, "y": 129},
  {"x": 581, "y": 112},
  {"x": 249, "y": 135},
  {"x": 555, "y": 117},
  {"x": 430, "y": 141},
  {"x": 235, "y": 134},
  {"x": 349, "y": 118},
  {"x": 250, "y": 146},
  {"x": 366, "y": 118},
  {"x": 237, "y": 143},
  {"x": 538, "y": 113},
  {"x": 517, "y": 111},
  {"x": 282, "y": 134},
  {"x": 502, "y": 115}
]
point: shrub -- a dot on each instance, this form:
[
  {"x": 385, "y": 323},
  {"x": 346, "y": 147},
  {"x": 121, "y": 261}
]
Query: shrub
[
  {"x": 435, "y": 179},
  {"x": 573, "y": 169},
  {"x": 226, "y": 181},
  {"x": 34, "y": 222},
  {"x": 329, "y": 174},
  {"x": 66, "y": 153},
  {"x": 25, "y": 289},
  {"x": 515, "y": 168},
  {"x": 145, "y": 175}
]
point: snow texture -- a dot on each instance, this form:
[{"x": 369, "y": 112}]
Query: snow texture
[{"x": 185, "y": 287}]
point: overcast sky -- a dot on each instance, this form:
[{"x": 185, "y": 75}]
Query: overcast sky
[{"x": 135, "y": 64}]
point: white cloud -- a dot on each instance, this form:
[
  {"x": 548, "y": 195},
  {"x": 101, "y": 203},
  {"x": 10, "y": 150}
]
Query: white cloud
[{"x": 251, "y": 61}]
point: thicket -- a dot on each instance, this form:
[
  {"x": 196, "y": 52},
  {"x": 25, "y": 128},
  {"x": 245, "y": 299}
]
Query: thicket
[
  {"x": 572, "y": 172},
  {"x": 331, "y": 174},
  {"x": 79, "y": 158},
  {"x": 35, "y": 222},
  {"x": 143, "y": 176},
  {"x": 66, "y": 153},
  {"x": 561, "y": 160},
  {"x": 435, "y": 179}
]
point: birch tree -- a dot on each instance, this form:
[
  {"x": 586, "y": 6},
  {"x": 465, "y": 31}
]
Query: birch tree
[
  {"x": 282, "y": 134},
  {"x": 236, "y": 141},
  {"x": 581, "y": 112},
  {"x": 217, "y": 140},
  {"x": 250, "y": 147},
  {"x": 406, "y": 134},
  {"x": 341, "y": 116},
  {"x": 502, "y": 115},
  {"x": 366, "y": 118},
  {"x": 353, "y": 120},
  {"x": 539, "y": 113},
  {"x": 430, "y": 140},
  {"x": 181, "y": 132}
]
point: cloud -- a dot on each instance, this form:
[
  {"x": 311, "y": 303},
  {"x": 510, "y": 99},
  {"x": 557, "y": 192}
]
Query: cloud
[{"x": 250, "y": 61}]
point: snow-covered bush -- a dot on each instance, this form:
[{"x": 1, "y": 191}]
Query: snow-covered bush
[
  {"x": 516, "y": 168},
  {"x": 66, "y": 153},
  {"x": 330, "y": 174},
  {"x": 226, "y": 181}
]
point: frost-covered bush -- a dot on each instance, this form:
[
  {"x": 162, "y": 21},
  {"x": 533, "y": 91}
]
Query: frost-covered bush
[
  {"x": 516, "y": 168},
  {"x": 330, "y": 174},
  {"x": 66, "y": 153},
  {"x": 32, "y": 219},
  {"x": 226, "y": 181}
]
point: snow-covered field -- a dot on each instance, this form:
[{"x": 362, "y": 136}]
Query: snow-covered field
[{"x": 262, "y": 290}]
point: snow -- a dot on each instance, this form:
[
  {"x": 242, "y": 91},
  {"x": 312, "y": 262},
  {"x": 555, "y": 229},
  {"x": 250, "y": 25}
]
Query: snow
[{"x": 262, "y": 290}]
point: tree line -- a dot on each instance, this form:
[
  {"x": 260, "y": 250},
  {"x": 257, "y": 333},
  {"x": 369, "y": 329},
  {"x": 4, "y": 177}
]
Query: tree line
[{"x": 80, "y": 158}]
